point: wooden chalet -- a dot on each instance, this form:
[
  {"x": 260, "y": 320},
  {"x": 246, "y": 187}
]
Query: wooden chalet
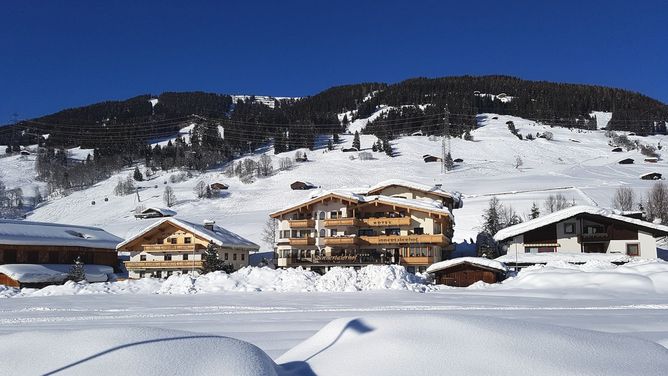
[
  {"x": 174, "y": 246},
  {"x": 458, "y": 160},
  {"x": 465, "y": 271},
  {"x": 651, "y": 160},
  {"x": 626, "y": 161},
  {"x": 27, "y": 247},
  {"x": 617, "y": 150}
]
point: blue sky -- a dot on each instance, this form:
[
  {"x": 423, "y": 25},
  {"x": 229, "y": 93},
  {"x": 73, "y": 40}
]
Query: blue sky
[{"x": 61, "y": 54}]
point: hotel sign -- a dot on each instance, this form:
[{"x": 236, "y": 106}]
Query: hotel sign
[{"x": 335, "y": 259}]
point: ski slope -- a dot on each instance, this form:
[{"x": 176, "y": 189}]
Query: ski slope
[{"x": 577, "y": 164}]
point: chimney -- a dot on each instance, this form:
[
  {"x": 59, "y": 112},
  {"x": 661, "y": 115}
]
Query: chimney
[{"x": 208, "y": 224}]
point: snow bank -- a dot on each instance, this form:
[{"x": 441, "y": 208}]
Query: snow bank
[
  {"x": 130, "y": 351},
  {"x": 50, "y": 273},
  {"x": 373, "y": 277},
  {"x": 642, "y": 276},
  {"x": 400, "y": 344}
]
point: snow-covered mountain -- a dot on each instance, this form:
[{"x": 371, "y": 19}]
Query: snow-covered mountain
[{"x": 578, "y": 164}]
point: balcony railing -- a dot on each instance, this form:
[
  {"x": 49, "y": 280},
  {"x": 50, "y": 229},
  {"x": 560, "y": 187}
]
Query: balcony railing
[
  {"x": 387, "y": 221},
  {"x": 599, "y": 236},
  {"x": 169, "y": 247},
  {"x": 180, "y": 264},
  {"x": 302, "y": 241},
  {"x": 342, "y": 222},
  {"x": 416, "y": 260},
  {"x": 342, "y": 240},
  {"x": 405, "y": 239},
  {"x": 301, "y": 223}
]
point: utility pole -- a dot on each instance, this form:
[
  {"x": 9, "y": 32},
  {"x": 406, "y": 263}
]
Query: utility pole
[{"x": 445, "y": 148}]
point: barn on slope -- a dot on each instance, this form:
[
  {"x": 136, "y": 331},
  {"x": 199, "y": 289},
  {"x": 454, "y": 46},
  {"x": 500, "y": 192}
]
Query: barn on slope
[{"x": 465, "y": 271}]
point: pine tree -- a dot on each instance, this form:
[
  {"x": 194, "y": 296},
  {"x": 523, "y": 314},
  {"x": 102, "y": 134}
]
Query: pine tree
[
  {"x": 535, "y": 212},
  {"x": 491, "y": 217},
  {"x": 212, "y": 261},
  {"x": 387, "y": 148},
  {"x": 379, "y": 145},
  {"x": 374, "y": 148},
  {"x": 356, "y": 141},
  {"x": 77, "y": 272},
  {"x": 137, "y": 174},
  {"x": 336, "y": 138}
]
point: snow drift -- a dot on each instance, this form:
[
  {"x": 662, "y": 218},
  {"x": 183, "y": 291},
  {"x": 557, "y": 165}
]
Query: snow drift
[
  {"x": 400, "y": 344},
  {"x": 372, "y": 277},
  {"x": 130, "y": 351}
]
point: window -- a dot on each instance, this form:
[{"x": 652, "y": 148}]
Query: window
[
  {"x": 188, "y": 240},
  {"x": 142, "y": 274},
  {"x": 234, "y": 257},
  {"x": 569, "y": 228},
  {"x": 334, "y": 215},
  {"x": 185, "y": 257},
  {"x": 332, "y": 232},
  {"x": 172, "y": 240},
  {"x": 226, "y": 256},
  {"x": 540, "y": 249},
  {"x": 321, "y": 215},
  {"x": 142, "y": 257},
  {"x": 392, "y": 231},
  {"x": 365, "y": 232},
  {"x": 242, "y": 257},
  {"x": 633, "y": 249},
  {"x": 168, "y": 257},
  {"x": 168, "y": 273},
  {"x": 418, "y": 231},
  {"x": 158, "y": 274}
]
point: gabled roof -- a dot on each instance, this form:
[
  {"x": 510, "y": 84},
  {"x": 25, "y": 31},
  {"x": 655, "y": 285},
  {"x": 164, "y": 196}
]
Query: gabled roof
[
  {"x": 218, "y": 235},
  {"x": 55, "y": 234},
  {"x": 478, "y": 261},
  {"x": 409, "y": 184},
  {"x": 425, "y": 205},
  {"x": 561, "y": 215}
]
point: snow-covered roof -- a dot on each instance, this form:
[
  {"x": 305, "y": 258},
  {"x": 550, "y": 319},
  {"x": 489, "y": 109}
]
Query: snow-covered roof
[
  {"x": 412, "y": 185},
  {"x": 218, "y": 235},
  {"x": 52, "y": 273},
  {"x": 480, "y": 261},
  {"x": 542, "y": 258},
  {"x": 55, "y": 234},
  {"x": 419, "y": 204},
  {"x": 163, "y": 211},
  {"x": 573, "y": 211}
]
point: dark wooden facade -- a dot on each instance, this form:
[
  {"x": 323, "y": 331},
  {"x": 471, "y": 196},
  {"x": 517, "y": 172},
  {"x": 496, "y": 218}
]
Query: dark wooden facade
[
  {"x": 43, "y": 254},
  {"x": 219, "y": 186},
  {"x": 301, "y": 185},
  {"x": 466, "y": 274}
]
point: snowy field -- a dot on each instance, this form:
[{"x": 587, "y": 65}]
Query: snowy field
[{"x": 553, "y": 320}]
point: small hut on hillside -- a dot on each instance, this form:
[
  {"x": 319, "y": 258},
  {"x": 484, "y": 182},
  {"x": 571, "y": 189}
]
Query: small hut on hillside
[
  {"x": 651, "y": 176},
  {"x": 428, "y": 158},
  {"x": 626, "y": 161},
  {"x": 465, "y": 271},
  {"x": 154, "y": 212},
  {"x": 219, "y": 186},
  {"x": 651, "y": 159},
  {"x": 302, "y": 185},
  {"x": 617, "y": 150}
]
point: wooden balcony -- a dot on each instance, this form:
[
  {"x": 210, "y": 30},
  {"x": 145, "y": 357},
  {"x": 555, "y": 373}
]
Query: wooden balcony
[
  {"x": 327, "y": 260},
  {"x": 342, "y": 222},
  {"x": 416, "y": 260},
  {"x": 301, "y": 241},
  {"x": 301, "y": 223},
  {"x": 387, "y": 221},
  {"x": 342, "y": 240},
  {"x": 180, "y": 264},
  {"x": 405, "y": 239},
  {"x": 169, "y": 247}
]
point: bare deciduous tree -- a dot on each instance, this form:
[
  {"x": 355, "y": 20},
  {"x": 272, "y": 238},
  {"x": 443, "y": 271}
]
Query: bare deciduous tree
[
  {"x": 200, "y": 189},
  {"x": 518, "y": 161},
  {"x": 168, "y": 197},
  {"x": 556, "y": 202},
  {"x": 656, "y": 205},
  {"x": 264, "y": 166},
  {"x": 624, "y": 199},
  {"x": 269, "y": 232}
]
